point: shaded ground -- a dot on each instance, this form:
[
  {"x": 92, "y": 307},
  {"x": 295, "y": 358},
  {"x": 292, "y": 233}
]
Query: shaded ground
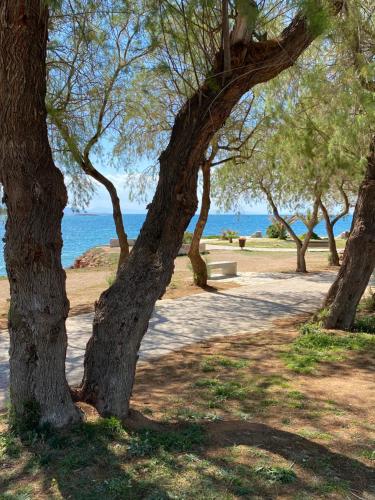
[
  {"x": 84, "y": 286},
  {"x": 223, "y": 419}
]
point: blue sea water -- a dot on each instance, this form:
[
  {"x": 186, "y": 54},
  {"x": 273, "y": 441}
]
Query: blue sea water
[{"x": 81, "y": 232}]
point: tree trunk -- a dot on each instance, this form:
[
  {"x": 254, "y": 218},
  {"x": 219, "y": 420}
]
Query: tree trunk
[
  {"x": 301, "y": 261},
  {"x": 359, "y": 257},
  {"x": 123, "y": 311},
  {"x": 89, "y": 168},
  {"x": 35, "y": 197},
  {"x": 334, "y": 256},
  {"x": 198, "y": 264}
]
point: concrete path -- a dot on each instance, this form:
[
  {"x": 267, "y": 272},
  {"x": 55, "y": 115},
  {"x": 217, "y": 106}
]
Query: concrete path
[{"x": 261, "y": 298}]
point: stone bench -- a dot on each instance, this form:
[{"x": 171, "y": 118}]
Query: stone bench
[{"x": 228, "y": 268}]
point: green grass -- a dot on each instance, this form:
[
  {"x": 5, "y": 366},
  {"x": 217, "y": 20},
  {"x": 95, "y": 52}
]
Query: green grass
[
  {"x": 222, "y": 390},
  {"x": 315, "y": 345},
  {"x": 213, "y": 363}
]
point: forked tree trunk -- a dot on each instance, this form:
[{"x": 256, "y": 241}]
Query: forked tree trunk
[
  {"x": 330, "y": 224},
  {"x": 334, "y": 256},
  {"x": 198, "y": 264},
  {"x": 301, "y": 246},
  {"x": 359, "y": 256},
  {"x": 35, "y": 197},
  {"x": 123, "y": 311}
]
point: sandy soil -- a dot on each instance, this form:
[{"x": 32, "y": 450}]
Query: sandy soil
[{"x": 85, "y": 285}]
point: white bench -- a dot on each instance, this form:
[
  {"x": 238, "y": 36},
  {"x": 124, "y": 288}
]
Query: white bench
[{"x": 228, "y": 268}]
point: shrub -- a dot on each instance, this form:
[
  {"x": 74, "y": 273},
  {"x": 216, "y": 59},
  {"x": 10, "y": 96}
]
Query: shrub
[
  {"x": 368, "y": 303},
  {"x": 314, "y": 236},
  {"x": 228, "y": 234},
  {"x": 188, "y": 237},
  {"x": 276, "y": 230}
]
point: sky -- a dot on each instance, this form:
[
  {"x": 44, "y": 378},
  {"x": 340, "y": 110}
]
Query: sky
[{"x": 101, "y": 202}]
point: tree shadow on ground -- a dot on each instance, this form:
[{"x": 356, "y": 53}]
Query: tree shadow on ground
[
  {"x": 100, "y": 459},
  {"x": 309, "y": 455}
]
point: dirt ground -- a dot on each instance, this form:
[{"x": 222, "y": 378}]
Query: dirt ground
[{"x": 84, "y": 286}]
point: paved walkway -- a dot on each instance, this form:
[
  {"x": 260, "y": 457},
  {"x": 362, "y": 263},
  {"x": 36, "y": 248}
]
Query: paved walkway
[{"x": 261, "y": 298}]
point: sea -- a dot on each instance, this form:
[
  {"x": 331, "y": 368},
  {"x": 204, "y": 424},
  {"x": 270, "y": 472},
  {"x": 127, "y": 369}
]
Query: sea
[{"x": 84, "y": 231}]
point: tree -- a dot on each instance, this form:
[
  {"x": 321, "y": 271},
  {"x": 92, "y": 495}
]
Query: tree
[
  {"x": 123, "y": 311},
  {"x": 35, "y": 196},
  {"x": 332, "y": 221},
  {"x": 359, "y": 256}
]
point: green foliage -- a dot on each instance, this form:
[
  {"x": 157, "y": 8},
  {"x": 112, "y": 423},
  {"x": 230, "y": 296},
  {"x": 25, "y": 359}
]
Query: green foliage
[
  {"x": 276, "y": 230},
  {"x": 212, "y": 363},
  {"x": 223, "y": 390},
  {"x": 250, "y": 11},
  {"x": 148, "y": 442},
  {"x": 229, "y": 234},
  {"x": 277, "y": 474},
  {"x": 188, "y": 237},
  {"x": 314, "y": 236},
  {"x": 318, "y": 19},
  {"x": 365, "y": 324},
  {"x": 367, "y": 304}
]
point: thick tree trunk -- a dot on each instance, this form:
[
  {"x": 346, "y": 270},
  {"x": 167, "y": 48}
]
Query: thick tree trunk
[
  {"x": 35, "y": 197},
  {"x": 359, "y": 257},
  {"x": 198, "y": 264},
  {"x": 123, "y": 311},
  {"x": 88, "y": 167},
  {"x": 334, "y": 256}
]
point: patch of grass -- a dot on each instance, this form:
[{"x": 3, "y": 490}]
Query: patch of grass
[
  {"x": 223, "y": 390},
  {"x": 367, "y": 304},
  {"x": 313, "y": 434},
  {"x": 10, "y": 446},
  {"x": 369, "y": 454},
  {"x": 277, "y": 474},
  {"x": 24, "y": 493},
  {"x": 365, "y": 324},
  {"x": 149, "y": 442},
  {"x": 315, "y": 345},
  {"x": 211, "y": 363}
]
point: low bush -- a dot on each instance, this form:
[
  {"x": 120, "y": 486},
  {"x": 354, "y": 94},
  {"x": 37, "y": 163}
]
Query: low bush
[
  {"x": 276, "y": 230},
  {"x": 188, "y": 237},
  {"x": 314, "y": 236}
]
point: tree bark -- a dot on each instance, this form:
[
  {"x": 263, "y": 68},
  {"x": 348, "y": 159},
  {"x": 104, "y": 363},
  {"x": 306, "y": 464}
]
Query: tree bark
[
  {"x": 198, "y": 264},
  {"x": 334, "y": 256},
  {"x": 123, "y": 311},
  {"x": 35, "y": 196},
  {"x": 359, "y": 256}
]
